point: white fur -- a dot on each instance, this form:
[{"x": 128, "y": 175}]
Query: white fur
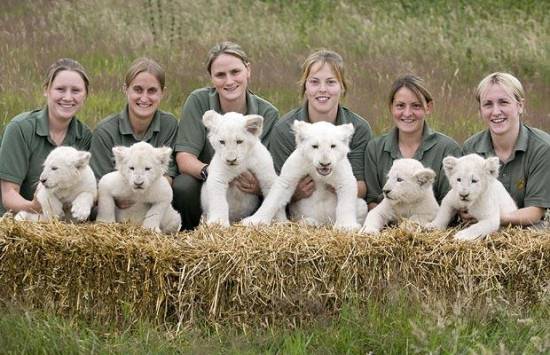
[
  {"x": 321, "y": 152},
  {"x": 475, "y": 189},
  {"x": 139, "y": 179},
  {"x": 67, "y": 187},
  {"x": 236, "y": 141},
  {"x": 408, "y": 193}
]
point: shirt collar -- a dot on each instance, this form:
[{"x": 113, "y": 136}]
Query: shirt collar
[
  {"x": 391, "y": 144},
  {"x": 125, "y": 128},
  {"x": 43, "y": 127},
  {"x": 486, "y": 148}
]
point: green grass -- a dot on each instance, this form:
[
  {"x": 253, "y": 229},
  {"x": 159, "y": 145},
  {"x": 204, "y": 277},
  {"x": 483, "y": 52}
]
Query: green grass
[
  {"x": 394, "y": 326},
  {"x": 452, "y": 44}
]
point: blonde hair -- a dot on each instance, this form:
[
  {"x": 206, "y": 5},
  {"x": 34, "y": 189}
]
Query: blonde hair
[
  {"x": 225, "y": 47},
  {"x": 323, "y": 56},
  {"x": 413, "y": 83},
  {"x": 145, "y": 65},
  {"x": 507, "y": 81},
  {"x": 66, "y": 64}
]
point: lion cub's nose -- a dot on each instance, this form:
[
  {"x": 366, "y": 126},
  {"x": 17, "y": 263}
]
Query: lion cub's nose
[
  {"x": 231, "y": 161},
  {"x": 138, "y": 184},
  {"x": 386, "y": 191},
  {"x": 43, "y": 180},
  {"x": 464, "y": 195},
  {"x": 324, "y": 165}
]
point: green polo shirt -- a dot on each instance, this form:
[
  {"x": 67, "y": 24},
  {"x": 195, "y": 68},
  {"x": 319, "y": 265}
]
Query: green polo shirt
[
  {"x": 192, "y": 136},
  {"x": 526, "y": 175},
  {"x": 383, "y": 150},
  {"x": 116, "y": 130},
  {"x": 282, "y": 142},
  {"x": 26, "y": 144}
]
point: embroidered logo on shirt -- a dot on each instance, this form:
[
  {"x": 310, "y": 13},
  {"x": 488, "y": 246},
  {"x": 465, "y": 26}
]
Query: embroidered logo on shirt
[{"x": 520, "y": 185}]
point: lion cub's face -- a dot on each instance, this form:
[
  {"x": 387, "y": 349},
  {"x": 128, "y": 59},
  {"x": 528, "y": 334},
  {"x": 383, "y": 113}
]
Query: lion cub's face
[
  {"x": 323, "y": 144},
  {"x": 408, "y": 180},
  {"x": 232, "y": 135},
  {"x": 62, "y": 167},
  {"x": 470, "y": 175},
  {"x": 141, "y": 164}
]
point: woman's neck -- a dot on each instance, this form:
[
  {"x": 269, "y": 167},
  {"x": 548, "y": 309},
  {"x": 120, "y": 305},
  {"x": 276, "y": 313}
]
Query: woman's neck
[
  {"x": 409, "y": 143},
  {"x": 315, "y": 116},
  {"x": 238, "y": 105},
  {"x": 58, "y": 129},
  {"x": 140, "y": 125},
  {"x": 504, "y": 143}
]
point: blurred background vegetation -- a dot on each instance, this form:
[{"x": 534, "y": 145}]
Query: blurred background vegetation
[{"x": 452, "y": 44}]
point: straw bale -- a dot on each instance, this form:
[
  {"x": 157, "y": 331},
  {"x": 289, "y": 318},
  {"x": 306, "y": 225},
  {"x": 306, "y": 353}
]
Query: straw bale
[{"x": 284, "y": 274}]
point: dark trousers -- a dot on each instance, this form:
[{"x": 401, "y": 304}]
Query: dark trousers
[{"x": 187, "y": 200}]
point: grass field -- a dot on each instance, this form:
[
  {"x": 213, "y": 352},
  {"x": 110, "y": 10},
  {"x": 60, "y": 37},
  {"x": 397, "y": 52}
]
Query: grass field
[{"x": 452, "y": 44}]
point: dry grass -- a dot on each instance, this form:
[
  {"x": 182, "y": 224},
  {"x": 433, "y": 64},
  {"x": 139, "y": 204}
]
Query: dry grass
[{"x": 283, "y": 274}]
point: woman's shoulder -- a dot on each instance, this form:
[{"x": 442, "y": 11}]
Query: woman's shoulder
[
  {"x": 167, "y": 117},
  {"x": 538, "y": 136},
  {"x": 444, "y": 139},
  {"x": 263, "y": 104},
  {"x": 27, "y": 118}
]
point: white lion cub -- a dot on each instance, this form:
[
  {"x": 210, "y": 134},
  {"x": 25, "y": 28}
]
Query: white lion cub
[
  {"x": 235, "y": 139},
  {"x": 67, "y": 187},
  {"x": 139, "y": 178},
  {"x": 408, "y": 193},
  {"x": 475, "y": 189},
  {"x": 321, "y": 150}
]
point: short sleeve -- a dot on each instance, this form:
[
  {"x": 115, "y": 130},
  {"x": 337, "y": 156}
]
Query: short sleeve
[
  {"x": 15, "y": 154},
  {"x": 374, "y": 185},
  {"x": 191, "y": 134},
  {"x": 102, "y": 161},
  {"x": 281, "y": 144},
  {"x": 356, "y": 156}
]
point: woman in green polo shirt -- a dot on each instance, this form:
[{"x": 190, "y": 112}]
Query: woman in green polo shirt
[
  {"x": 229, "y": 70},
  {"x": 409, "y": 104},
  {"x": 323, "y": 84},
  {"x": 140, "y": 120},
  {"x": 524, "y": 152},
  {"x": 31, "y": 136}
]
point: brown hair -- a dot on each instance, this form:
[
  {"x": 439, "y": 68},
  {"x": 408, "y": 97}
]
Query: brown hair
[
  {"x": 146, "y": 65},
  {"x": 413, "y": 83},
  {"x": 323, "y": 56},
  {"x": 226, "y": 47},
  {"x": 507, "y": 81},
  {"x": 66, "y": 64}
]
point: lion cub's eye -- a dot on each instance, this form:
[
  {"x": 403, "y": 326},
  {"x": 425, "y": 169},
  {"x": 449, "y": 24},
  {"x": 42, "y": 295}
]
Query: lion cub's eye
[
  {"x": 54, "y": 168},
  {"x": 131, "y": 168},
  {"x": 399, "y": 179},
  {"x": 315, "y": 146},
  {"x": 222, "y": 142},
  {"x": 458, "y": 179},
  {"x": 147, "y": 168},
  {"x": 239, "y": 141},
  {"x": 333, "y": 146},
  {"x": 474, "y": 181}
]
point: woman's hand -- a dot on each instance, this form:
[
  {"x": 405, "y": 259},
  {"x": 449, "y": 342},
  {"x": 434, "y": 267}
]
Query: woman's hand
[
  {"x": 247, "y": 182},
  {"x": 305, "y": 188}
]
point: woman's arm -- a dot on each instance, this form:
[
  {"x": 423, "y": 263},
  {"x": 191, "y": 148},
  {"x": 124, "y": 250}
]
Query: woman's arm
[
  {"x": 189, "y": 164},
  {"x": 523, "y": 217},
  {"x": 12, "y": 200}
]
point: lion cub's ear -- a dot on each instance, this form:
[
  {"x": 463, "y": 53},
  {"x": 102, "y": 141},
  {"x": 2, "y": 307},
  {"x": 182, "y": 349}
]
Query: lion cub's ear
[
  {"x": 425, "y": 176},
  {"x": 347, "y": 131},
  {"x": 164, "y": 155},
  {"x": 300, "y": 128},
  {"x": 491, "y": 166},
  {"x": 83, "y": 159},
  {"x": 254, "y": 124},
  {"x": 210, "y": 119},
  {"x": 120, "y": 153},
  {"x": 449, "y": 163}
]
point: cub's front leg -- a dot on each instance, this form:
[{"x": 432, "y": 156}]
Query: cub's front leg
[
  {"x": 82, "y": 206},
  {"x": 106, "y": 208},
  {"x": 52, "y": 207},
  {"x": 218, "y": 207},
  {"x": 154, "y": 216},
  {"x": 376, "y": 219},
  {"x": 444, "y": 214}
]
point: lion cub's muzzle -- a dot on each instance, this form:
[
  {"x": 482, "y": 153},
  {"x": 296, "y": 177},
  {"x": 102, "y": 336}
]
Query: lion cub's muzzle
[{"x": 324, "y": 169}]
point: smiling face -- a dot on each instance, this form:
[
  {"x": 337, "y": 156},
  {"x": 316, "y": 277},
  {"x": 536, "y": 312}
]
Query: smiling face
[
  {"x": 144, "y": 94},
  {"x": 500, "y": 110},
  {"x": 322, "y": 91},
  {"x": 408, "y": 111},
  {"x": 230, "y": 77},
  {"x": 65, "y": 95}
]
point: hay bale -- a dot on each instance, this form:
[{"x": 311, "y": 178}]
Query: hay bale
[{"x": 284, "y": 274}]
